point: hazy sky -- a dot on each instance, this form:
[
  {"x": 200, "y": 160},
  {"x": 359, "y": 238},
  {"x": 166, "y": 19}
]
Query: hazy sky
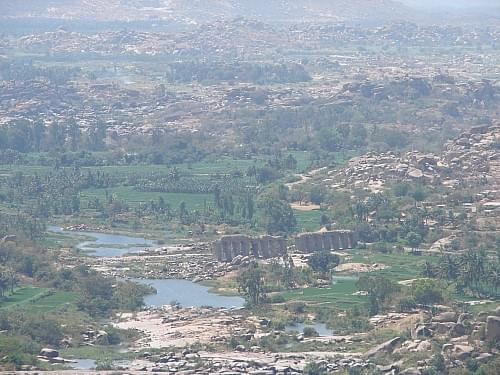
[{"x": 453, "y": 4}]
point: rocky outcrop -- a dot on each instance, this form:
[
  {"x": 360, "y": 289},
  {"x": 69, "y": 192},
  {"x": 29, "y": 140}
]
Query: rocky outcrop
[
  {"x": 387, "y": 347},
  {"x": 229, "y": 247},
  {"x": 49, "y": 353},
  {"x": 445, "y": 317},
  {"x": 319, "y": 241}
]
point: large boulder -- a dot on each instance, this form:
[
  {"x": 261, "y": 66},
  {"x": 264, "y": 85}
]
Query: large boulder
[
  {"x": 445, "y": 317},
  {"x": 493, "y": 328},
  {"x": 458, "y": 352},
  {"x": 482, "y": 316},
  {"x": 464, "y": 318},
  {"x": 415, "y": 173},
  {"x": 442, "y": 328},
  {"x": 49, "y": 353},
  {"x": 424, "y": 346},
  {"x": 386, "y": 347},
  {"x": 422, "y": 331},
  {"x": 457, "y": 330}
]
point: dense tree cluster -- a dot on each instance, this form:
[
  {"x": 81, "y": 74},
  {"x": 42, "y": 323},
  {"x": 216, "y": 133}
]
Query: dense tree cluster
[{"x": 239, "y": 72}]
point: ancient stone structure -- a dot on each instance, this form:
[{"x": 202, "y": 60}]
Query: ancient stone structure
[
  {"x": 318, "y": 241},
  {"x": 228, "y": 247}
]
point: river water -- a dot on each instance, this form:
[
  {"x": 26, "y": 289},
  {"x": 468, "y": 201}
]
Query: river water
[
  {"x": 187, "y": 294},
  {"x": 318, "y": 327},
  {"x": 108, "y": 245},
  {"x": 184, "y": 292}
]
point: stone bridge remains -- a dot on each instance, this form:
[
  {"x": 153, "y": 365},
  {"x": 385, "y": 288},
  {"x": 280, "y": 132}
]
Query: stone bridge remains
[
  {"x": 319, "y": 241},
  {"x": 228, "y": 247}
]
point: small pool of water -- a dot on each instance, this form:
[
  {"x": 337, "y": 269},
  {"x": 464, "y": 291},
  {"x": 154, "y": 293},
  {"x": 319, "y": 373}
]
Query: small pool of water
[
  {"x": 319, "y": 327},
  {"x": 187, "y": 293},
  {"x": 83, "y": 364},
  {"x": 108, "y": 245}
]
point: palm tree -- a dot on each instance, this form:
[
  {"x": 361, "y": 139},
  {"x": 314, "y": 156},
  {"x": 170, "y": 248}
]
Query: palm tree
[
  {"x": 448, "y": 267},
  {"x": 13, "y": 280},
  {"x": 429, "y": 270},
  {"x": 494, "y": 278}
]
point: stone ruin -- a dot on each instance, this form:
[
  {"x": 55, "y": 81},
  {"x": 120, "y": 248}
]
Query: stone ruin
[
  {"x": 228, "y": 247},
  {"x": 332, "y": 240}
]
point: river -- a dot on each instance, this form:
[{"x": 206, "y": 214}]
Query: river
[
  {"x": 107, "y": 245},
  {"x": 184, "y": 292},
  {"x": 187, "y": 294}
]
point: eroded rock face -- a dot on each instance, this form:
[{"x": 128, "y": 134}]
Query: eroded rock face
[
  {"x": 229, "y": 247},
  {"x": 319, "y": 241}
]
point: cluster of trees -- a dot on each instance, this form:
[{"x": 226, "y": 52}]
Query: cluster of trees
[
  {"x": 251, "y": 284},
  {"x": 474, "y": 271},
  {"x": 323, "y": 262},
  {"x": 25, "y": 331},
  {"x": 24, "y": 136},
  {"x": 383, "y": 292},
  {"x": 8, "y": 281},
  {"x": 26, "y": 224},
  {"x": 209, "y": 72},
  {"x": 25, "y": 70},
  {"x": 99, "y": 295},
  {"x": 53, "y": 193}
]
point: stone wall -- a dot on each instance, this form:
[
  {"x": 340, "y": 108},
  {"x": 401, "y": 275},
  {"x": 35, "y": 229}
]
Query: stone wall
[
  {"x": 228, "y": 247},
  {"x": 318, "y": 241}
]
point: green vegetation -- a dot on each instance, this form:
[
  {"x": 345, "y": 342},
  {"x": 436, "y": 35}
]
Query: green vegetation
[
  {"x": 338, "y": 296},
  {"x": 37, "y": 299}
]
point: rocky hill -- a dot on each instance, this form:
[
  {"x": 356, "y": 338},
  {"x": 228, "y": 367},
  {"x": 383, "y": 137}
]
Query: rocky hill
[{"x": 200, "y": 11}]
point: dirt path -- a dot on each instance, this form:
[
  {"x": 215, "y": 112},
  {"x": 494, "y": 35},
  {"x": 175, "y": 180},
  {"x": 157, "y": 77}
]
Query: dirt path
[{"x": 304, "y": 177}]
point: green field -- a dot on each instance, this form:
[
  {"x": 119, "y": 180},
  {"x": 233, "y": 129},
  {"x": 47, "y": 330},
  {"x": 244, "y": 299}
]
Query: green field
[
  {"x": 222, "y": 165},
  {"x": 36, "y": 299},
  {"x": 339, "y": 295},
  {"x": 134, "y": 197},
  {"x": 308, "y": 221},
  {"x": 402, "y": 266}
]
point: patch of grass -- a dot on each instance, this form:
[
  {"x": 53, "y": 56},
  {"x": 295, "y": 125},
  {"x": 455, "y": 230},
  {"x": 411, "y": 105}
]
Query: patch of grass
[
  {"x": 308, "y": 221},
  {"x": 37, "y": 299},
  {"x": 339, "y": 295},
  {"x": 23, "y": 295},
  {"x": 134, "y": 198},
  {"x": 54, "y": 301},
  {"x": 402, "y": 266}
]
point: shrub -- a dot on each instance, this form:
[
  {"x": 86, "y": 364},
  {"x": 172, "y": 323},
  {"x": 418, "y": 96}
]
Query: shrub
[
  {"x": 427, "y": 292},
  {"x": 310, "y": 332},
  {"x": 277, "y": 298},
  {"x": 298, "y": 307},
  {"x": 315, "y": 368},
  {"x": 406, "y": 304}
]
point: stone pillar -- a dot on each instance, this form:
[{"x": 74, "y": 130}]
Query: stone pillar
[
  {"x": 349, "y": 240},
  {"x": 245, "y": 247},
  {"x": 264, "y": 241},
  {"x": 282, "y": 247},
  {"x": 256, "y": 247},
  {"x": 329, "y": 241},
  {"x": 226, "y": 250},
  {"x": 343, "y": 241},
  {"x": 300, "y": 243}
]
